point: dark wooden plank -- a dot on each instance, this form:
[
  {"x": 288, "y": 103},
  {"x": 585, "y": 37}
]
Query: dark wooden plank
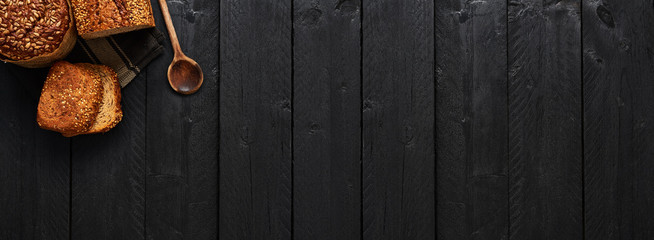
[
  {"x": 398, "y": 120},
  {"x": 471, "y": 118},
  {"x": 255, "y": 120},
  {"x": 327, "y": 119},
  {"x": 545, "y": 155},
  {"x": 182, "y": 131},
  {"x": 34, "y": 163},
  {"x": 618, "y": 66},
  {"x": 108, "y": 174}
]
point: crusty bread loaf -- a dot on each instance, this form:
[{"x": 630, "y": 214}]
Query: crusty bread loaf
[
  {"x": 101, "y": 18},
  {"x": 79, "y": 99},
  {"x": 35, "y": 33}
]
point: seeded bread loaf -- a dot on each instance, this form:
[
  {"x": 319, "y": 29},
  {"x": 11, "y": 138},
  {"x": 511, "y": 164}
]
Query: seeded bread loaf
[
  {"x": 79, "y": 99},
  {"x": 35, "y": 33},
  {"x": 101, "y": 18}
]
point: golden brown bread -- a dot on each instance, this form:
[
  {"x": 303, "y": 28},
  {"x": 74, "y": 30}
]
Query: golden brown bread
[
  {"x": 70, "y": 99},
  {"x": 79, "y": 99},
  {"x": 101, "y": 18},
  {"x": 35, "y": 33}
]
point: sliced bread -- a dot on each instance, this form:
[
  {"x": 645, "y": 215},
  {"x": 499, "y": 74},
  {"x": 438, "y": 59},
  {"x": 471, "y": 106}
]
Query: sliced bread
[
  {"x": 111, "y": 112},
  {"x": 70, "y": 99},
  {"x": 80, "y": 99}
]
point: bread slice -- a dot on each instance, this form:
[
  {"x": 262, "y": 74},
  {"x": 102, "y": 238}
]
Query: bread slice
[
  {"x": 111, "y": 112},
  {"x": 94, "y": 106},
  {"x": 70, "y": 99}
]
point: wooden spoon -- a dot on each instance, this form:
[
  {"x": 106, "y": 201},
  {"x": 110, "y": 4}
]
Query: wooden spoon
[{"x": 184, "y": 75}]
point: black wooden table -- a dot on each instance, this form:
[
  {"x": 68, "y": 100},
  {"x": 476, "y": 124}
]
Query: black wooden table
[{"x": 350, "y": 119}]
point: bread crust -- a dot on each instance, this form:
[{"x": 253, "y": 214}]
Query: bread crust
[
  {"x": 70, "y": 99},
  {"x": 101, "y": 18},
  {"x": 45, "y": 33}
]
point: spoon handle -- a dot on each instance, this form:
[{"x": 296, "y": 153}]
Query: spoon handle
[{"x": 171, "y": 29}]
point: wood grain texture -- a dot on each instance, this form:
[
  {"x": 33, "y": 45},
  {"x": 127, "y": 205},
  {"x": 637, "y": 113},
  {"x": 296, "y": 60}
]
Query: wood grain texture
[
  {"x": 182, "y": 131},
  {"x": 471, "y": 118},
  {"x": 398, "y": 120},
  {"x": 545, "y": 153},
  {"x": 327, "y": 119},
  {"x": 618, "y": 89},
  {"x": 255, "y": 119},
  {"x": 108, "y": 175},
  {"x": 34, "y": 163}
]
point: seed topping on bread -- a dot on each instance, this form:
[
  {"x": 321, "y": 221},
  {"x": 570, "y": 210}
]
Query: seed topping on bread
[{"x": 30, "y": 28}]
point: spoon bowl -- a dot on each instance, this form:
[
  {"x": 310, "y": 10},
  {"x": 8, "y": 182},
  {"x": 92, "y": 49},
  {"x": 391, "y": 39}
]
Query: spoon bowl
[{"x": 185, "y": 75}]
